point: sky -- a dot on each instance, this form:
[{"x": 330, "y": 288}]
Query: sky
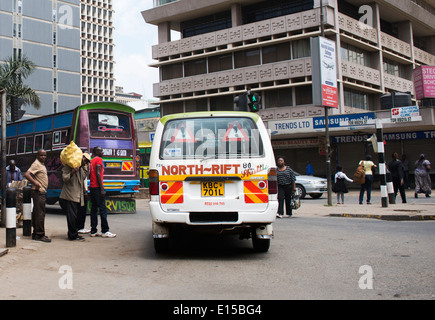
[{"x": 133, "y": 39}]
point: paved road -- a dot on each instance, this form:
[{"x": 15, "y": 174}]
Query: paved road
[{"x": 311, "y": 257}]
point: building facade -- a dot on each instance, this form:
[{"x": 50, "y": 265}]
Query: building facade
[
  {"x": 48, "y": 33},
  {"x": 71, "y": 43},
  {"x": 227, "y": 47},
  {"x": 98, "y": 82}
]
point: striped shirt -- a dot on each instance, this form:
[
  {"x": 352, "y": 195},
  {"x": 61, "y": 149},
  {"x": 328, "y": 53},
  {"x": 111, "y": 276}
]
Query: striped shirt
[{"x": 286, "y": 177}]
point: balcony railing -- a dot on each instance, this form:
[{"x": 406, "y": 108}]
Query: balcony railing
[{"x": 158, "y": 3}]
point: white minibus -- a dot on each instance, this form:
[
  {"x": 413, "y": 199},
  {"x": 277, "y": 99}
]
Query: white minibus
[{"x": 214, "y": 172}]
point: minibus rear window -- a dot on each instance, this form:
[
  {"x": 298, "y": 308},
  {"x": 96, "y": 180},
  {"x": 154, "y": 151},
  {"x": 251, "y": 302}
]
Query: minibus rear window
[{"x": 211, "y": 137}]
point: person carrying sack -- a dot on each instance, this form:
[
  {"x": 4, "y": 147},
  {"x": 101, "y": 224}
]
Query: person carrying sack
[{"x": 368, "y": 179}]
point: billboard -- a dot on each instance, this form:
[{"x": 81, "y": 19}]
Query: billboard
[
  {"x": 324, "y": 72},
  {"x": 424, "y": 82}
]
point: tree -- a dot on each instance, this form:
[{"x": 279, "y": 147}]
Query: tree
[{"x": 12, "y": 74}]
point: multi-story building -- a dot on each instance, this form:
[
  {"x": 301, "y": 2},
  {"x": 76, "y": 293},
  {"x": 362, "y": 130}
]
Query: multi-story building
[
  {"x": 48, "y": 33},
  {"x": 97, "y": 51},
  {"x": 227, "y": 47}
]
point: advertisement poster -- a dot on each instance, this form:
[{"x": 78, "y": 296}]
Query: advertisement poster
[{"x": 324, "y": 72}]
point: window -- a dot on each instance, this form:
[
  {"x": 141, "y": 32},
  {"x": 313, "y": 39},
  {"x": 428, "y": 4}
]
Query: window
[
  {"x": 109, "y": 125},
  {"x": 276, "y": 53},
  {"x": 358, "y": 99},
  {"x": 220, "y": 63},
  {"x": 246, "y": 58},
  {"x": 210, "y": 137},
  {"x": 21, "y": 145},
  {"x": 195, "y": 67},
  {"x": 278, "y": 98},
  {"x": 394, "y": 68},
  {"x": 355, "y": 54},
  {"x": 301, "y": 48},
  {"x": 38, "y": 142},
  {"x": 304, "y": 95},
  {"x": 29, "y": 144},
  {"x": 172, "y": 71},
  {"x": 12, "y": 146}
]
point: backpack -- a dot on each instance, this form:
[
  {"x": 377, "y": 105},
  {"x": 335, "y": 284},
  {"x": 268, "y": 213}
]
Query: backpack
[{"x": 360, "y": 174}]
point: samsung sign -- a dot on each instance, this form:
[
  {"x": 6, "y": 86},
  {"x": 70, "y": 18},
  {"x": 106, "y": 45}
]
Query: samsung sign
[{"x": 317, "y": 124}]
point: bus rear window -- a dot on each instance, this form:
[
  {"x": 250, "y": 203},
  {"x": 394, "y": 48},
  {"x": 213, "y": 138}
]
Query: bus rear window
[
  {"x": 212, "y": 137},
  {"x": 109, "y": 125}
]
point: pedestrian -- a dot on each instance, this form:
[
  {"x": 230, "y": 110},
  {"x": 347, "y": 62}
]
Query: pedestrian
[
  {"x": 81, "y": 219},
  {"x": 340, "y": 187},
  {"x": 367, "y": 185},
  {"x": 13, "y": 173},
  {"x": 286, "y": 186},
  {"x": 37, "y": 175},
  {"x": 397, "y": 174},
  {"x": 309, "y": 169},
  {"x": 423, "y": 183},
  {"x": 71, "y": 197},
  {"x": 405, "y": 164},
  {"x": 98, "y": 195}
]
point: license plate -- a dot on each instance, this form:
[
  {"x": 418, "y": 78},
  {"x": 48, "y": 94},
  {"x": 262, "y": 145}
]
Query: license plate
[
  {"x": 113, "y": 164},
  {"x": 212, "y": 189}
]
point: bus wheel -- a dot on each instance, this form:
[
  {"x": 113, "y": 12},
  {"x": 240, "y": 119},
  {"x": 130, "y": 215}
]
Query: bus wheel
[
  {"x": 260, "y": 245},
  {"x": 161, "y": 245}
]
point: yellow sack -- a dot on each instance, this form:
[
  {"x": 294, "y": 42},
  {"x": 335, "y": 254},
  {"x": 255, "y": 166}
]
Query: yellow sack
[{"x": 71, "y": 156}]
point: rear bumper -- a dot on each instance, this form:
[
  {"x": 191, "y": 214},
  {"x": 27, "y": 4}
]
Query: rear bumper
[{"x": 213, "y": 218}]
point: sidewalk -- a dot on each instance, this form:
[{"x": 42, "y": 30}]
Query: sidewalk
[{"x": 415, "y": 209}]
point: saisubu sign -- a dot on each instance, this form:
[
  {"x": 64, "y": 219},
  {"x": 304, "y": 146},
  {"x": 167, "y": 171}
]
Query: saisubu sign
[{"x": 324, "y": 72}]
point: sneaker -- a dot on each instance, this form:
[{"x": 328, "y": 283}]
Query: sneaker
[
  {"x": 84, "y": 231},
  {"x": 96, "y": 234},
  {"x": 108, "y": 235},
  {"x": 278, "y": 216},
  {"x": 369, "y": 202}
]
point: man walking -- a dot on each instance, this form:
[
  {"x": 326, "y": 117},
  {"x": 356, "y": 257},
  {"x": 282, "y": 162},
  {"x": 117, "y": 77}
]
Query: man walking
[
  {"x": 72, "y": 197},
  {"x": 98, "y": 195},
  {"x": 37, "y": 175}
]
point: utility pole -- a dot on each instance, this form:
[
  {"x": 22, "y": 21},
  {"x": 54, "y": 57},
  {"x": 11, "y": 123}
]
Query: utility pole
[
  {"x": 328, "y": 145},
  {"x": 3, "y": 161}
]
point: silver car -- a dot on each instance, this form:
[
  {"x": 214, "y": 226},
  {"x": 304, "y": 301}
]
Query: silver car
[{"x": 314, "y": 186}]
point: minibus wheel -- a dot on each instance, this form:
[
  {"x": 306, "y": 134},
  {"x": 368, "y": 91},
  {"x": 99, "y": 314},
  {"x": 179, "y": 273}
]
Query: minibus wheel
[
  {"x": 260, "y": 245},
  {"x": 161, "y": 245}
]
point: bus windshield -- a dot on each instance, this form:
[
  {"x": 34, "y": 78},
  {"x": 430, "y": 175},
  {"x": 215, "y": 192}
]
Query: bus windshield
[{"x": 109, "y": 125}]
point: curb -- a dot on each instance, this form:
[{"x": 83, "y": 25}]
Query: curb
[{"x": 385, "y": 217}]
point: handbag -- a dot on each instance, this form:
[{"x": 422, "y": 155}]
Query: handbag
[{"x": 295, "y": 203}]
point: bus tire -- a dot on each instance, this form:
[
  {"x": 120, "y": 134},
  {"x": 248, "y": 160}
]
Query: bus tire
[{"x": 161, "y": 245}]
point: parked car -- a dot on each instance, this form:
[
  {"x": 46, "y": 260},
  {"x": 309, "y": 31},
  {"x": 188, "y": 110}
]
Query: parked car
[{"x": 314, "y": 186}]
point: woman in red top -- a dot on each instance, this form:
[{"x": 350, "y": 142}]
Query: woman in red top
[{"x": 98, "y": 195}]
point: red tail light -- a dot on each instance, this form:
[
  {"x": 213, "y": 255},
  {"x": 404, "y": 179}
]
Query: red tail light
[
  {"x": 154, "y": 182},
  {"x": 272, "y": 181}
]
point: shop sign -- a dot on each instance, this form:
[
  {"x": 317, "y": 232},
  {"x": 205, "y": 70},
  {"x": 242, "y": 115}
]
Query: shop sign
[
  {"x": 404, "y": 114},
  {"x": 345, "y": 121}
]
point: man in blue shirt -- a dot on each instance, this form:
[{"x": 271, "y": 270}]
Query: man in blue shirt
[{"x": 13, "y": 173}]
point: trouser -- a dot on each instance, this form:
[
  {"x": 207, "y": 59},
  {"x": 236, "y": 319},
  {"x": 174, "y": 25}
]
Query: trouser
[
  {"x": 38, "y": 214},
  {"x": 81, "y": 219},
  {"x": 399, "y": 187},
  {"x": 98, "y": 204},
  {"x": 366, "y": 186},
  {"x": 71, "y": 209},
  {"x": 285, "y": 193}
]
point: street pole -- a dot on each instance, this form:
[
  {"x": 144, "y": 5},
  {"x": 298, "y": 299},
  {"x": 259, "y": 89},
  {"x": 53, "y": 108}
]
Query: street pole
[
  {"x": 3, "y": 161},
  {"x": 328, "y": 145}
]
